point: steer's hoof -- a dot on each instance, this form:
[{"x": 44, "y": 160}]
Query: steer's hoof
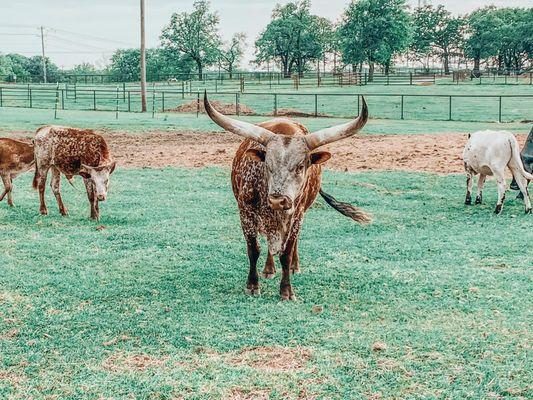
[
  {"x": 269, "y": 274},
  {"x": 528, "y": 210},
  {"x": 287, "y": 294},
  {"x": 295, "y": 270},
  {"x": 498, "y": 209},
  {"x": 64, "y": 213},
  {"x": 252, "y": 290},
  {"x": 43, "y": 211},
  {"x": 468, "y": 201},
  {"x": 478, "y": 200}
]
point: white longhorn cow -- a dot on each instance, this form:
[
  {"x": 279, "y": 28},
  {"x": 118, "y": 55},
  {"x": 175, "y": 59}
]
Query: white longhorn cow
[{"x": 487, "y": 153}]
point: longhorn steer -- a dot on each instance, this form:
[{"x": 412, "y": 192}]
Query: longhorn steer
[
  {"x": 15, "y": 158},
  {"x": 488, "y": 153},
  {"x": 72, "y": 152},
  {"x": 276, "y": 176}
]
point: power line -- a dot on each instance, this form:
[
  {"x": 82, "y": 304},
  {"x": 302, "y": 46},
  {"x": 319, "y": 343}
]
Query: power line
[{"x": 92, "y": 37}]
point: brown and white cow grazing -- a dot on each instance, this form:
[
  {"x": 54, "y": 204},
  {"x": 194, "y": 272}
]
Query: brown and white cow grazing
[
  {"x": 276, "y": 176},
  {"x": 72, "y": 152},
  {"x": 15, "y": 158}
]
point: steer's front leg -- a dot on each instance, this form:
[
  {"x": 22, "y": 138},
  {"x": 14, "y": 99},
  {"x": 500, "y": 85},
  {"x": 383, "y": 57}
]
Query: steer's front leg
[
  {"x": 285, "y": 287},
  {"x": 252, "y": 285}
]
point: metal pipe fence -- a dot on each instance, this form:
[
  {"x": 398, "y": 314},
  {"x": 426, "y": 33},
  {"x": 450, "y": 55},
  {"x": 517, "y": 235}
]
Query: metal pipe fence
[{"x": 456, "y": 107}]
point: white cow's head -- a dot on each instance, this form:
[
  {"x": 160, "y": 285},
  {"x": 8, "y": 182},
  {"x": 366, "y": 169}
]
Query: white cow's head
[{"x": 99, "y": 176}]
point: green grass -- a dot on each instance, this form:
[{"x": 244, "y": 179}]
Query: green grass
[
  {"x": 333, "y": 101},
  {"x": 18, "y": 119},
  {"x": 152, "y": 306}
]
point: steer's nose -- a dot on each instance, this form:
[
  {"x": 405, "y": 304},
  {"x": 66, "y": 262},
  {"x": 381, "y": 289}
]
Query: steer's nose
[
  {"x": 279, "y": 202},
  {"x": 101, "y": 197}
]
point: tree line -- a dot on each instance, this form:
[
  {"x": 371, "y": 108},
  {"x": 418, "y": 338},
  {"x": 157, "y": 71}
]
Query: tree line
[{"x": 369, "y": 33}]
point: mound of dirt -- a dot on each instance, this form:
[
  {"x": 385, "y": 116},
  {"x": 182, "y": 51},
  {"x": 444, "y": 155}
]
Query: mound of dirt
[
  {"x": 224, "y": 108},
  {"x": 291, "y": 112}
]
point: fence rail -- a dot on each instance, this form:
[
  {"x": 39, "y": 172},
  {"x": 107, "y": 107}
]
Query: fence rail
[{"x": 458, "y": 107}]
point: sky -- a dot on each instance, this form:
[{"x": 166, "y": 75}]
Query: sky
[{"x": 89, "y": 31}]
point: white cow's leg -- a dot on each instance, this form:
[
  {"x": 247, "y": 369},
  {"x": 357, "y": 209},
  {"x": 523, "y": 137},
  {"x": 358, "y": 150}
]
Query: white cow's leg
[
  {"x": 469, "y": 183},
  {"x": 500, "y": 179},
  {"x": 480, "y": 184}
]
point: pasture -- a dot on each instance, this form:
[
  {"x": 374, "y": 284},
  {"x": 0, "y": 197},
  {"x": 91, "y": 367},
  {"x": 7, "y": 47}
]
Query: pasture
[{"x": 430, "y": 301}]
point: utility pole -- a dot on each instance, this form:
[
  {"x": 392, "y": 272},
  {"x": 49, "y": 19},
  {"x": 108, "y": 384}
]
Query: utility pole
[
  {"x": 143, "y": 61},
  {"x": 44, "y": 59}
]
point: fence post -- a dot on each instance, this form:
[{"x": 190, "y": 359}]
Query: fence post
[
  {"x": 123, "y": 91},
  {"x": 197, "y": 104},
  {"x": 401, "y": 108},
  {"x": 153, "y": 100},
  {"x": 316, "y": 105},
  {"x": 62, "y": 99},
  {"x": 57, "y": 101},
  {"x": 1, "y": 99},
  {"x": 500, "y": 109},
  {"x": 237, "y": 108},
  {"x": 116, "y": 101},
  {"x": 30, "y": 97},
  {"x": 450, "y": 109},
  {"x": 275, "y": 104},
  {"x": 182, "y": 89},
  {"x": 129, "y": 101},
  {"x": 94, "y": 100},
  {"x": 434, "y": 78},
  {"x": 162, "y": 101},
  {"x": 410, "y": 79}
]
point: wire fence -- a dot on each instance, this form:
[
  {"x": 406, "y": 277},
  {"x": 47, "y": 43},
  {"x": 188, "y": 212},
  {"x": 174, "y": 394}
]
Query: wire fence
[
  {"x": 309, "y": 79},
  {"x": 458, "y": 107}
]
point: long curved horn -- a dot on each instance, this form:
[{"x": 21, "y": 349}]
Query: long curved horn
[
  {"x": 328, "y": 135},
  {"x": 241, "y": 128}
]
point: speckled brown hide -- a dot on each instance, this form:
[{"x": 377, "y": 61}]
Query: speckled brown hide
[
  {"x": 15, "y": 158},
  {"x": 281, "y": 229},
  {"x": 70, "y": 151}
]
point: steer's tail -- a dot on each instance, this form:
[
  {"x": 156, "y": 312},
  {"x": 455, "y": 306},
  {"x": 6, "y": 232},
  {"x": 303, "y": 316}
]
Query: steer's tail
[
  {"x": 35, "y": 182},
  {"x": 346, "y": 209},
  {"x": 516, "y": 160}
]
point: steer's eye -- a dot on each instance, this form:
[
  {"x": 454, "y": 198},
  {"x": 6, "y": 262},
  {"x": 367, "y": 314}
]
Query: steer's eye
[{"x": 300, "y": 168}]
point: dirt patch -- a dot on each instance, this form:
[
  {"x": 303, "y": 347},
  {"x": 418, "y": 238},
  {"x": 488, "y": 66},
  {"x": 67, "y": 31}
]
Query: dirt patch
[
  {"x": 272, "y": 359},
  {"x": 293, "y": 113},
  {"x": 121, "y": 362},
  {"x": 429, "y": 153},
  {"x": 254, "y": 394},
  {"x": 225, "y": 108}
]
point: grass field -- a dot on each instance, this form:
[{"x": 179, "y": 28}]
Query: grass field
[
  {"x": 433, "y": 300},
  {"x": 419, "y": 102}
]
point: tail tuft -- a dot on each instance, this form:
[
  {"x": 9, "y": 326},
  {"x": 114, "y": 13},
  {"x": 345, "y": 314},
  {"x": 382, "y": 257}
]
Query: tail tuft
[{"x": 355, "y": 213}]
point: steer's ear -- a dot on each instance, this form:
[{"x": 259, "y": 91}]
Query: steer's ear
[
  {"x": 320, "y": 157},
  {"x": 85, "y": 171},
  {"x": 255, "y": 154},
  {"x": 112, "y": 167}
]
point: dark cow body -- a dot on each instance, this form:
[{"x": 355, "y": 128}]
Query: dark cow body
[
  {"x": 72, "y": 152},
  {"x": 276, "y": 177},
  {"x": 15, "y": 158},
  {"x": 527, "y": 159}
]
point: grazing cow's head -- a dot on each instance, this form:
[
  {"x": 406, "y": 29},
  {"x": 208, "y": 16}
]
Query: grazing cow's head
[
  {"x": 287, "y": 158},
  {"x": 100, "y": 177}
]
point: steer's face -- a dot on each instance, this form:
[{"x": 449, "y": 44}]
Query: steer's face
[
  {"x": 100, "y": 178},
  {"x": 287, "y": 160}
]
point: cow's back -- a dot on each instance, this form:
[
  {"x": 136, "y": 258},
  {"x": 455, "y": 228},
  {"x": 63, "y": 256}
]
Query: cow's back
[
  {"x": 67, "y": 148},
  {"x": 15, "y": 155}
]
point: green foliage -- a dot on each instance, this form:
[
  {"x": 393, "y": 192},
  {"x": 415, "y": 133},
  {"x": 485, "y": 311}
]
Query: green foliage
[
  {"x": 27, "y": 68},
  {"x": 160, "y": 63},
  {"x": 84, "y": 69},
  {"x": 374, "y": 31},
  {"x": 437, "y": 32},
  {"x": 231, "y": 53},
  {"x": 151, "y": 305},
  {"x": 194, "y": 35},
  {"x": 294, "y": 37}
]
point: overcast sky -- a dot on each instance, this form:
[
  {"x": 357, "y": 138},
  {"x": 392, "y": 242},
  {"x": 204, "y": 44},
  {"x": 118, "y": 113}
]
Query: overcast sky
[{"x": 77, "y": 31}]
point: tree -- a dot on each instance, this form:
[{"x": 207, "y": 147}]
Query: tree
[
  {"x": 231, "y": 54},
  {"x": 437, "y": 32},
  {"x": 195, "y": 35},
  {"x": 6, "y": 69},
  {"x": 84, "y": 69},
  {"x": 374, "y": 31},
  {"x": 293, "y": 38},
  {"x": 480, "y": 43}
]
